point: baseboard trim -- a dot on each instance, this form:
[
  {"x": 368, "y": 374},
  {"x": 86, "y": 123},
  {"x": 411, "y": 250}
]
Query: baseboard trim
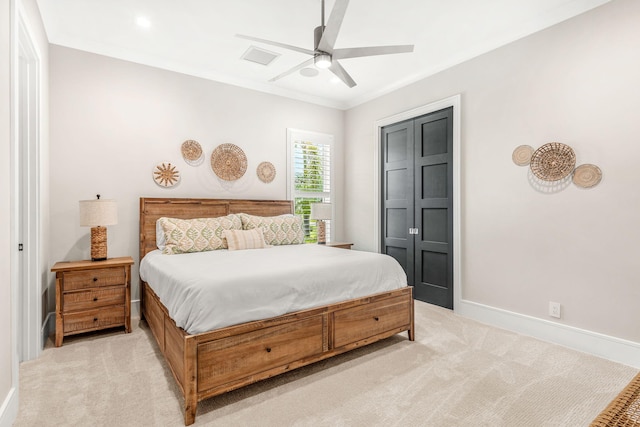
[
  {"x": 9, "y": 408},
  {"x": 48, "y": 327},
  {"x": 135, "y": 309},
  {"x": 605, "y": 346}
]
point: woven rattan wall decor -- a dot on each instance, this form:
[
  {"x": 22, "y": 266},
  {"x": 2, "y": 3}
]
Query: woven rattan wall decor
[
  {"x": 587, "y": 176},
  {"x": 192, "y": 152},
  {"x": 522, "y": 155},
  {"x": 555, "y": 162},
  {"x": 228, "y": 162},
  {"x": 266, "y": 172}
]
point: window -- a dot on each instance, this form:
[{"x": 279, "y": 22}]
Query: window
[{"x": 309, "y": 176}]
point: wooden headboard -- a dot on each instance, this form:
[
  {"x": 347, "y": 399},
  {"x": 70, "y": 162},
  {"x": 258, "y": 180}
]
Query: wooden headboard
[{"x": 153, "y": 208}]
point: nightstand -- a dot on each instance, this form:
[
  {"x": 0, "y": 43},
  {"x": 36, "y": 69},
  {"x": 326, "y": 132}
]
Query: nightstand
[
  {"x": 341, "y": 245},
  {"x": 92, "y": 295}
]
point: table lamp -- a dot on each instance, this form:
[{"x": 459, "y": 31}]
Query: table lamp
[
  {"x": 321, "y": 212},
  {"x": 97, "y": 214}
]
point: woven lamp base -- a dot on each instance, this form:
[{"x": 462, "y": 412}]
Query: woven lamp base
[
  {"x": 98, "y": 243},
  {"x": 322, "y": 235}
]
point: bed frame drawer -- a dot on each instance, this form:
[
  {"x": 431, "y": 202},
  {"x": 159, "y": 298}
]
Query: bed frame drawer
[
  {"x": 94, "y": 319},
  {"x": 93, "y": 278},
  {"x": 229, "y": 359},
  {"x": 361, "y": 322}
]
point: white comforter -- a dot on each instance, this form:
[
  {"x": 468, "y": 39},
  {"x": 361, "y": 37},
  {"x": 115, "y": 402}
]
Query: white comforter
[{"x": 209, "y": 290}]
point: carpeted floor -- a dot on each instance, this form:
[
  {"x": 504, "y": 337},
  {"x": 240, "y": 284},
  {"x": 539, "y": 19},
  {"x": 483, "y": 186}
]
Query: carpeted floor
[{"x": 457, "y": 373}]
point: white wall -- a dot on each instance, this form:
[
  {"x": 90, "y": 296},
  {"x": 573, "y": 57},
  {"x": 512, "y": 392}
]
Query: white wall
[
  {"x": 112, "y": 121},
  {"x": 575, "y": 83}
]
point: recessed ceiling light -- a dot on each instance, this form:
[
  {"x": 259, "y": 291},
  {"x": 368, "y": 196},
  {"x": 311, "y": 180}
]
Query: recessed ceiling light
[
  {"x": 309, "y": 72},
  {"x": 143, "y": 22}
]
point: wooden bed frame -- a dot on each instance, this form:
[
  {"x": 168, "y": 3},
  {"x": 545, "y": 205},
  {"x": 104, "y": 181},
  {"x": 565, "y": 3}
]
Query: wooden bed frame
[{"x": 212, "y": 363}]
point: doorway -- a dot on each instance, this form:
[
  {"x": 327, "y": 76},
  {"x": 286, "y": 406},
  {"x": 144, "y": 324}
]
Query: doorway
[{"x": 418, "y": 198}]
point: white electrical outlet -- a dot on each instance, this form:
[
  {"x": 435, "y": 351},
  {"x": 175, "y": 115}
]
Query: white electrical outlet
[{"x": 555, "y": 309}]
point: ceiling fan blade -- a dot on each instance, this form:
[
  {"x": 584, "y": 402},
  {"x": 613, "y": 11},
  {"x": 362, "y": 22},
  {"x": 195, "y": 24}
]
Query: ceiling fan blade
[
  {"x": 331, "y": 30},
  {"x": 342, "y": 74},
  {"x": 293, "y": 70},
  {"x": 356, "y": 52},
  {"x": 286, "y": 46}
]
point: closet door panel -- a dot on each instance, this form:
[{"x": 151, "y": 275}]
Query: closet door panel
[{"x": 397, "y": 189}]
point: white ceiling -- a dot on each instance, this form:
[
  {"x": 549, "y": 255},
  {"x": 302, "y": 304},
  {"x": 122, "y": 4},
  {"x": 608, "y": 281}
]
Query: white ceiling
[{"x": 197, "y": 37}]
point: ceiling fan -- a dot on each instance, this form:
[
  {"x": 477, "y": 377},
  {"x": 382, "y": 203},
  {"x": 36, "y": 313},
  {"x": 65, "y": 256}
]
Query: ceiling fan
[{"x": 323, "y": 54}]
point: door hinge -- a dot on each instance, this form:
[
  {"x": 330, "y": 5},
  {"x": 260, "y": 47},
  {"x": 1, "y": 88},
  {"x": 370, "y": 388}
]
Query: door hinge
[
  {"x": 20, "y": 247},
  {"x": 413, "y": 231}
]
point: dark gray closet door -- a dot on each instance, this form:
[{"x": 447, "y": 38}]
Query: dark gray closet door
[
  {"x": 417, "y": 194},
  {"x": 397, "y": 193},
  {"x": 434, "y": 208}
]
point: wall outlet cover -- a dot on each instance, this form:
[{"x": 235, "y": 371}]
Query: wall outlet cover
[{"x": 555, "y": 309}]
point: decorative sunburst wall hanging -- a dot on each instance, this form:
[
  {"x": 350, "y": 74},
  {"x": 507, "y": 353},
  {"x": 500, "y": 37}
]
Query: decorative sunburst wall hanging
[{"x": 166, "y": 175}]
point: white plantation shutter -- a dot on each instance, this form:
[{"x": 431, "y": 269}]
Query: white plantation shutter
[{"x": 309, "y": 167}]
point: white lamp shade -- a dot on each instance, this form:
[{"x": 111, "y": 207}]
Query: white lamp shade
[
  {"x": 99, "y": 212},
  {"x": 321, "y": 211}
]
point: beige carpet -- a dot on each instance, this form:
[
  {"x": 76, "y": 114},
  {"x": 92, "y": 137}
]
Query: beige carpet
[{"x": 457, "y": 373}]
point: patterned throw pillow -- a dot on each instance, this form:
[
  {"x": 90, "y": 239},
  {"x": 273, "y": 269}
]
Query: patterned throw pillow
[
  {"x": 245, "y": 239},
  {"x": 278, "y": 230},
  {"x": 197, "y": 235}
]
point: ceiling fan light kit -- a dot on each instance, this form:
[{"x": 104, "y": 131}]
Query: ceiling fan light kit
[
  {"x": 324, "y": 55},
  {"x": 322, "y": 60}
]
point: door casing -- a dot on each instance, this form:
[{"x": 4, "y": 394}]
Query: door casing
[
  {"x": 455, "y": 102},
  {"x": 25, "y": 198}
]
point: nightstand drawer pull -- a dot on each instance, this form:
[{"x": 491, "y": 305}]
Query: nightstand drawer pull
[
  {"x": 95, "y": 319},
  {"x": 95, "y": 279},
  {"x": 95, "y": 299},
  {"x": 376, "y": 318},
  {"x": 268, "y": 349}
]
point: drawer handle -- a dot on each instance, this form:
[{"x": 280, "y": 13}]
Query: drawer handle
[
  {"x": 268, "y": 349},
  {"x": 376, "y": 318},
  {"x": 95, "y": 279},
  {"x": 95, "y": 299}
]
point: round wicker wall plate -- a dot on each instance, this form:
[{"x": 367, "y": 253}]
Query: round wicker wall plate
[
  {"x": 228, "y": 162},
  {"x": 166, "y": 175},
  {"x": 553, "y": 161},
  {"x": 266, "y": 172},
  {"x": 587, "y": 176},
  {"x": 191, "y": 150},
  {"x": 522, "y": 155}
]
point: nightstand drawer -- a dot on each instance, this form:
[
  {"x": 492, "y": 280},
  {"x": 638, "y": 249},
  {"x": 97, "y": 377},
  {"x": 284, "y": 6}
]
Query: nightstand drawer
[
  {"x": 93, "y": 278},
  {"x": 93, "y": 319},
  {"x": 87, "y": 300}
]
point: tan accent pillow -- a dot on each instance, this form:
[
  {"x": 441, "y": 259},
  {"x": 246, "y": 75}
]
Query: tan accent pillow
[
  {"x": 278, "y": 230},
  {"x": 196, "y": 235},
  {"x": 245, "y": 239}
]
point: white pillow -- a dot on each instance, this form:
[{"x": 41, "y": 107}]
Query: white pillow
[
  {"x": 245, "y": 239},
  {"x": 161, "y": 241}
]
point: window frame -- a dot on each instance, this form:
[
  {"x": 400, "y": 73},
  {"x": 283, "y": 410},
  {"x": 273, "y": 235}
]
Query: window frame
[{"x": 316, "y": 138}]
